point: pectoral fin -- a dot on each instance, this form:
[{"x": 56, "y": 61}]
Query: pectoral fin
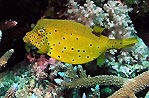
[{"x": 101, "y": 59}]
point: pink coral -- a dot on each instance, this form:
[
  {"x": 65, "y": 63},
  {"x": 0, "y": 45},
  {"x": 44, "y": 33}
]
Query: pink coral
[
  {"x": 30, "y": 58},
  {"x": 41, "y": 64},
  {"x": 52, "y": 61}
]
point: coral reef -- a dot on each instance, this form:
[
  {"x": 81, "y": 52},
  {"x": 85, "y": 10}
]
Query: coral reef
[
  {"x": 85, "y": 14},
  {"x": 128, "y": 86},
  {"x": 113, "y": 16},
  {"x": 124, "y": 73}
]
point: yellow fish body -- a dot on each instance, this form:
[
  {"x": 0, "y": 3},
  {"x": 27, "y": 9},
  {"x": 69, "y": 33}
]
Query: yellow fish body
[{"x": 71, "y": 42}]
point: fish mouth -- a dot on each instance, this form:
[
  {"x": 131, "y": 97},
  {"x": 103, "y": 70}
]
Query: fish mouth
[{"x": 26, "y": 39}]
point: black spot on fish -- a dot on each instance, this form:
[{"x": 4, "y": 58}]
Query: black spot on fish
[
  {"x": 98, "y": 47},
  {"x": 53, "y": 44},
  {"x": 64, "y": 47},
  {"x": 63, "y": 37},
  {"x": 79, "y": 55},
  {"x": 83, "y": 50},
  {"x": 71, "y": 34},
  {"x": 55, "y": 30},
  {"x": 48, "y": 43},
  {"x": 90, "y": 44},
  {"x": 78, "y": 50},
  {"x": 115, "y": 42},
  {"x": 120, "y": 43},
  {"x": 50, "y": 33},
  {"x": 62, "y": 51},
  {"x": 72, "y": 48},
  {"x": 72, "y": 59},
  {"x": 58, "y": 56},
  {"x": 87, "y": 56},
  {"x": 59, "y": 42},
  {"x": 77, "y": 38}
]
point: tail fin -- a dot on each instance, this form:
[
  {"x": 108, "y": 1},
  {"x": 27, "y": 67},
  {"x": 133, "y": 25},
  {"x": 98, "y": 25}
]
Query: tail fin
[
  {"x": 121, "y": 43},
  {"x": 129, "y": 42}
]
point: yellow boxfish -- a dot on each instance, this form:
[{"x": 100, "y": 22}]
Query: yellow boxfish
[{"x": 72, "y": 42}]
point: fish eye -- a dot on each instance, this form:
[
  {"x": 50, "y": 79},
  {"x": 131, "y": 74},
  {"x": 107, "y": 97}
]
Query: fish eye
[{"x": 41, "y": 31}]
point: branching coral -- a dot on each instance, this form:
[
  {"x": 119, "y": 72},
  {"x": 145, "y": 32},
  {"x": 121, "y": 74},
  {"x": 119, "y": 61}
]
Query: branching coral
[
  {"x": 128, "y": 86},
  {"x": 91, "y": 81},
  {"x": 132, "y": 86},
  {"x": 86, "y": 81},
  {"x": 85, "y": 14},
  {"x": 5, "y": 57}
]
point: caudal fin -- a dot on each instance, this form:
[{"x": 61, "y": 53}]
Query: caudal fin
[
  {"x": 129, "y": 42},
  {"x": 121, "y": 43}
]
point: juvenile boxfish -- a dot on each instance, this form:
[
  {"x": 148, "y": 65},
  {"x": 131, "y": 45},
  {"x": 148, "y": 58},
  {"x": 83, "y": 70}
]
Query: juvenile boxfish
[{"x": 72, "y": 42}]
